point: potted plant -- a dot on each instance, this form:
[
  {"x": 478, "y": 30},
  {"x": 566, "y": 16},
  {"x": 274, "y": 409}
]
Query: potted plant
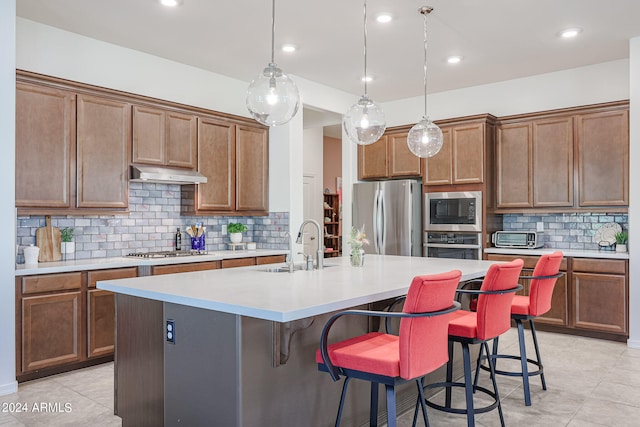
[
  {"x": 357, "y": 240},
  {"x": 68, "y": 246},
  {"x": 235, "y": 230},
  {"x": 621, "y": 241}
]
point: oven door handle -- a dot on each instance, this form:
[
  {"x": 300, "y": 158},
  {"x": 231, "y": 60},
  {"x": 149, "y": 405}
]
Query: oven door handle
[{"x": 452, "y": 246}]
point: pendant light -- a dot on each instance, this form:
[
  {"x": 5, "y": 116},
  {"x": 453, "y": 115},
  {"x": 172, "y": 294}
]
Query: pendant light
[
  {"x": 425, "y": 138},
  {"x": 273, "y": 98},
  {"x": 364, "y": 123}
]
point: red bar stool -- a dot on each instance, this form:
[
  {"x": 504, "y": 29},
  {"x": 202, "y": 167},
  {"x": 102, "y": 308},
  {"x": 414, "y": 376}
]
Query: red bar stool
[
  {"x": 527, "y": 308},
  {"x": 491, "y": 319},
  {"x": 382, "y": 358}
]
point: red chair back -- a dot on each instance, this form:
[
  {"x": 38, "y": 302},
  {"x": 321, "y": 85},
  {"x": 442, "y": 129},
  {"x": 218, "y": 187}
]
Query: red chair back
[
  {"x": 494, "y": 310},
  {"x": 541, "y": 290},
  {"x": 423, "y": 340}
]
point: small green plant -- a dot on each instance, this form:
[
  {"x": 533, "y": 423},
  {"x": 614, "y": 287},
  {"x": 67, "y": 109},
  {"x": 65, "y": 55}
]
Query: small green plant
[
  {"x": 236, "y": 227},
  {"x": 621, "y": 238},
  {"x": 66, "y": 234}
]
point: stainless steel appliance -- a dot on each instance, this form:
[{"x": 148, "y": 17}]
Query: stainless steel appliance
[
  {"x": 458, "y": 245},
  {"x": 391, "y": 214},
  {"x": 453, "y": 211},
  {"x": 165, "y": 254},
  {"x": 517, "y": 239}
]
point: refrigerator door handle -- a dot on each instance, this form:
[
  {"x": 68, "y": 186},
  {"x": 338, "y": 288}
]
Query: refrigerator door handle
[
  {"x": 382, "y": 225},
  {"x": 376, "y": 213}
]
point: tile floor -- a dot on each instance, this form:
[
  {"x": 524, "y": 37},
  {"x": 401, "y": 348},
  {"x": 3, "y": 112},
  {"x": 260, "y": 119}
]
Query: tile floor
[{"x": 589, "y": 383}]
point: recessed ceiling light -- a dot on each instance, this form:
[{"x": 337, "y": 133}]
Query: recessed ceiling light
[
  {"x": 171, "y": 3},
  {"x": 288, "y": 48},
  {"x": 367, "y": 79},
  {"x": 383, "y": 18},
  {"x": 570, "y": 33},
  {"x": 454, "y": 59}
]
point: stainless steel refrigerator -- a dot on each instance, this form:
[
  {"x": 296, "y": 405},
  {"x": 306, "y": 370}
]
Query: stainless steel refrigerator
[{"x": 391, "y": 212}]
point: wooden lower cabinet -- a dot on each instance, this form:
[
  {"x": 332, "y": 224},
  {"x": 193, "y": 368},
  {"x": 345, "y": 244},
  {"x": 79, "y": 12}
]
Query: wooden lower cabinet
[
  {"x": 591, "y": 299},
  {"x": 51, "y": 330},
  {"x": 184, "y": 268}
]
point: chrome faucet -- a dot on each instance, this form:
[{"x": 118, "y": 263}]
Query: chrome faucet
[
  {"x": 320, "y": 254},
  {"x": 289, "y": 260}
]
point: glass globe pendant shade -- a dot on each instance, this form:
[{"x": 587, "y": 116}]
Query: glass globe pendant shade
[
  {"x": 425, "y": 138},
  {"x": 364, "y": 123},
  {"x": 273, "y": 98}
]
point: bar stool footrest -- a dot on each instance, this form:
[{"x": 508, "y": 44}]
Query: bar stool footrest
[
  {"x": 540, "y": 370},
  {"x": 452, "y": 410}
]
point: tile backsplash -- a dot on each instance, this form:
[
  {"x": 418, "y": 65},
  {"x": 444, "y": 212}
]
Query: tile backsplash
[
  {"x": 565, "y": 231},
  {"x": 151, "y": 226}
]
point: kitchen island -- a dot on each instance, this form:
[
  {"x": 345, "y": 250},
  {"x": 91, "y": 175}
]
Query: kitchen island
[{"x": 234, "y": 359}]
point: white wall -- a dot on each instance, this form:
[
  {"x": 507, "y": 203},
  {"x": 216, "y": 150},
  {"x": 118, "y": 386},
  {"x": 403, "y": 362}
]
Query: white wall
[
  {"x": 634, "y": 195},
  {"x": 8, "y": 382},
  {"x": 604, "y": 82}
]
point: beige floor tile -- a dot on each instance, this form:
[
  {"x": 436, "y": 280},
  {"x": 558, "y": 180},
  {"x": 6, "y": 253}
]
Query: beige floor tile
[{"x": 607, "y": 413}]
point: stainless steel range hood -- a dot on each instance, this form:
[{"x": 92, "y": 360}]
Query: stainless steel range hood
[{"x": 164, "y": 175}]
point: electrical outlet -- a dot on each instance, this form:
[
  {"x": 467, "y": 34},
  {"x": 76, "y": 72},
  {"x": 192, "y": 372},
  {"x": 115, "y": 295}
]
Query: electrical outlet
[
  {"x": 224, "y": 229},
  {"x": 170, "y": 331},
  {"x": 540, "y": 226}
]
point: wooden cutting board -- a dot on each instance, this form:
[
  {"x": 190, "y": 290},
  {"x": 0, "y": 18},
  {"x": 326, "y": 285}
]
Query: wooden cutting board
[{"x": 48, "y": 240}]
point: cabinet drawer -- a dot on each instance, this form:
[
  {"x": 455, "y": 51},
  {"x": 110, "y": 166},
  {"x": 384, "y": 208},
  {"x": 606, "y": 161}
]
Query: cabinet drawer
[
  {"x": 529, "y": 261},
  {"x": 184, "y": 268},
  {"x": 591, "y": 265},
  {"x": 120, "y": 273},
  {"x": 271, "y": 259},
  {"x": 51, "y": 282},
  {"x": 238, "y": 262}
]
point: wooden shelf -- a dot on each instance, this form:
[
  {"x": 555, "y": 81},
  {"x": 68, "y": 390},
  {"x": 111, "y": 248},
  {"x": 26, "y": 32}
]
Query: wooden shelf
[{"x": 332, "y": 238}]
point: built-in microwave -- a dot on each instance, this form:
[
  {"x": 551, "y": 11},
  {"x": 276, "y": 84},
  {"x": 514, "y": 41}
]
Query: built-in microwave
[{"x": 453, "y": 211}]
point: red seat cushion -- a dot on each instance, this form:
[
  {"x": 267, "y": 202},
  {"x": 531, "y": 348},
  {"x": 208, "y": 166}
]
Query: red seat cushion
[
  {"x": 463, "y": 323},
  {"x": 374, "y": 352},
  {"x": 520, "y": 305}
]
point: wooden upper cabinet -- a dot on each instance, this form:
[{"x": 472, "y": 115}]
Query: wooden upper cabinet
[
  {"x": 461, "y": 158},
  {"x": 553, "y": 162},
  {"x": 513, "y": 163},
  {"x": 103, "y": 147},
  {"x": 402, "y": 162},
  {"x": 372, "y": 160},
  {"x": 438, "y": 170},
  {"x": 603, "y": 158},
  {"x": 45, "y": 146},
  {"x": 252, "y": 169},
  {"x": 217, "y": 161},
  {"x": 163, "y": 137},
  {"x": 389, "y": 157}
]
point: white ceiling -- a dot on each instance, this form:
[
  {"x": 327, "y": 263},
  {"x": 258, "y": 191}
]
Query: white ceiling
[{"x": 498, "y": 39}]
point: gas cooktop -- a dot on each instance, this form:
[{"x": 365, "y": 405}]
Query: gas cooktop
[{"x": 165, "y": 254}]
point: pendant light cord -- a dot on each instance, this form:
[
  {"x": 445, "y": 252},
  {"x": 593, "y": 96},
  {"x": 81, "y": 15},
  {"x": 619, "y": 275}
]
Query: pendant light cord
[
  {"x": 273, "y": 30},
  {"x": 425, "y": 11},
  {"x": 365, "y": 47}
]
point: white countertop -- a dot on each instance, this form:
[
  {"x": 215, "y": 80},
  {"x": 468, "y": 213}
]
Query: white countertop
[
  {"x": 282, "y": 297},
  {"x": 119, "y": 262},
  {"x": 576, "y": 253}
]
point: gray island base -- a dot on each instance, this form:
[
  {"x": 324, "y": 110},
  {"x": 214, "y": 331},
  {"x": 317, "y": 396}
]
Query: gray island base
[{"x": 235, "y": 361}]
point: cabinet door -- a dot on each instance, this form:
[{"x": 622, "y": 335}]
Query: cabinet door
[
  {"x": 603, "y": 158},
  {"x": 51, "y": 330},
  {"x": 181, "y": 140},
  {"x": 45, "y": 146},
  {"x": 553, "y": 162},
  {"x": 101, "y": 311},
  {"x": 148, "y": 135},
  {"x": 217, "y": 161},
  {"x": 402, "y": 162},
  {"x": 252, "y": 169},
  {"x": 599, "y": 302},
  {"x": 372, "y": 160},
  {"x": 513, "y": 159},
  {"x": 468, "y": 154},
  {"x": 559, "y": 313},
  {"x": 438, "y": 169},
  {"x": 104, "y": 144}
]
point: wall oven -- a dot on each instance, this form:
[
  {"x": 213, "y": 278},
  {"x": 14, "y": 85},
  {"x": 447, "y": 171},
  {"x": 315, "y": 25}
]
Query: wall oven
[
  {"x": 453, "y": 211},
  {"x": 458, "y": 245}
]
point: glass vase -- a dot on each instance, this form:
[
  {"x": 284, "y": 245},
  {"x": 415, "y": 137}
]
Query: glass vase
[{"x": 357, "y": 258}]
